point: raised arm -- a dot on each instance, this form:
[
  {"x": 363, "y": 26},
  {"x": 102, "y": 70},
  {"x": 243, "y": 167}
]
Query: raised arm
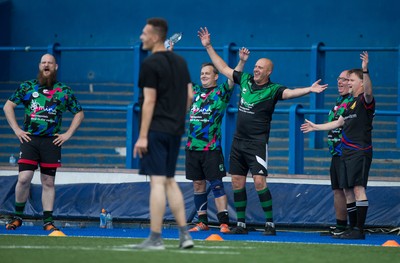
[
  {"x": 366, "y": 79},
  {"x": 295, "y": 93},
  {"x": 243, "y": 57},
  {"x": 309, "y": 126},
  {"x": 219, "y": 63}
]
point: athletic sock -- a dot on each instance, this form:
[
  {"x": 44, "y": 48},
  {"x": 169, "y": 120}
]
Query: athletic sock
[
  {"x": 362, "y": 208},
  {"x": 240, "y": 203},
  {"x": 352, "y": 212},
  {"x": 203, "y": 218},
  {"x": 200, "y": 202},
  {"x": 266, "y": 203},
  {"x": 154, "y": 235},
  {"x": 223, "y": 217},
  {"x": 341, "y": 224},
  {"x": 19, "y": 208},
  {"x": 47, "y": 216}
]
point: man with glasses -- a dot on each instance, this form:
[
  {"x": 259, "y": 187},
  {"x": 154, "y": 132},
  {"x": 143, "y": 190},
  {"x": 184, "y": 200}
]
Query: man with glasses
[{"x": 334, "y": 143}]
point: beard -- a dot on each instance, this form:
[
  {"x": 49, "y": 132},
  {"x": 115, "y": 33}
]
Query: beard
[{"x": 47, "y": 81}]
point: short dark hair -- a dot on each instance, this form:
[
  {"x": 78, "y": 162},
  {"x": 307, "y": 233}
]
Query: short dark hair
[
  {"x": 160, "y": 26},
  {"x": 215, "y": 70},
  {"x": 357, "y": 71}
]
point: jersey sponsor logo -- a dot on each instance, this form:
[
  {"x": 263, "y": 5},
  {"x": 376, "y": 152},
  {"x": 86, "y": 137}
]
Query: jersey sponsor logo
[{"x": 35, "y": 107}]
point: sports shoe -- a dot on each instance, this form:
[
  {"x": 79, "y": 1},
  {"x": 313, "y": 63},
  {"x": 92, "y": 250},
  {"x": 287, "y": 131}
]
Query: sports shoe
[
  {"x": 14, "y": 223},
  {"x": 269, "y": 229},
  {"x": 354, "y": 233},
  {"x": 199, "y": 227},
  {"x": 224, "y": 228},
  {"x": 49, "y": 226},
  {"x": 238, "y": 231},
  {"x": 335, "y": 231},
  {"x": 149, "y": 244},
  {"x": 186, "y": 241}
]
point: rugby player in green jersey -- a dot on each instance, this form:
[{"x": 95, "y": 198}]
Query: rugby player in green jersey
[
  {"x": 204, "y": 157},
  {"x": 249, "y": 152}
]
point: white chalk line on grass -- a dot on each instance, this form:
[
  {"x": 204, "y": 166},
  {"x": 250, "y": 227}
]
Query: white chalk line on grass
[{"x": 128, "y": 248}]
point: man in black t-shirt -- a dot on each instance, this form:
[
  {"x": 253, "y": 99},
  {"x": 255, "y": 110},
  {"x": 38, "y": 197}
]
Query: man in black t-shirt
[
  {"x": 258, "y": 97},
  {"x": 166, "y": 95}
]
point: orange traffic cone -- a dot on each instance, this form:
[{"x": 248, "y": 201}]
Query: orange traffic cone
[
  {"x": 214, "y": 237},
  {"x": 57, "y": 233},
  {"x": 391, "y": 243}
]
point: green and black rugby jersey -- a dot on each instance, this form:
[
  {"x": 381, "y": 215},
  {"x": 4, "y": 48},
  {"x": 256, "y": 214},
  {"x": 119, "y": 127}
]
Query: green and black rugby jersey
[
  {"x": 256, "y": 106},
  {"x": 44, "y": 106},
  {"x": 335, "y": 135}
]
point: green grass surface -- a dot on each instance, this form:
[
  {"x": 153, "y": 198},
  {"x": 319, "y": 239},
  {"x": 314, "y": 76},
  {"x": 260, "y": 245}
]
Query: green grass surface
[{"x": 43, "y": 249}]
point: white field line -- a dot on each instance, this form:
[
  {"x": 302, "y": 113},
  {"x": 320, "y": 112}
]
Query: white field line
[{"x": 126, "y": 248}]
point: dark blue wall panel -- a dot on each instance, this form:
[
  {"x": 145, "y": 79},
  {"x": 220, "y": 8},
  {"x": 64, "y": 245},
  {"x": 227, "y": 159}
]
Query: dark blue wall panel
[{"x": 255, "y": 23}]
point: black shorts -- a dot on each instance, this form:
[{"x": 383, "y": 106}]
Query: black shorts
[
  {"x": 162, "y": 155},
  {"x": 335, "y": 171},
  {"x": 354, "y": 170},
  {"x": 204, "y": 165},
  {"x": 248, "y": 155},
  {"x": 40, "y": 150}
]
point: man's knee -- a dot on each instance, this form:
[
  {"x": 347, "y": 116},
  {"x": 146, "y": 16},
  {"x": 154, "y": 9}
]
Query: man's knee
[{"x": 199, "y": 186}]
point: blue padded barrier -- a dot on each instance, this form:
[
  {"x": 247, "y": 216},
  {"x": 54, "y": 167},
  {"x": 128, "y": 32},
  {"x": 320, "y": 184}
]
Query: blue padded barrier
[{"x": 296, "y": 202}]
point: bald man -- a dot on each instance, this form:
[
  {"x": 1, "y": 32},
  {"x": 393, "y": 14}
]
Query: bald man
[
  {"x": 249, "y": 152},
  {"x": 45, "y": 100}
]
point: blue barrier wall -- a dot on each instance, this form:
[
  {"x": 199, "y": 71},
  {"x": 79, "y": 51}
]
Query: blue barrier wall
[
  {"x": 296, "y": 202},
  {"x": 259, "y": 23}
]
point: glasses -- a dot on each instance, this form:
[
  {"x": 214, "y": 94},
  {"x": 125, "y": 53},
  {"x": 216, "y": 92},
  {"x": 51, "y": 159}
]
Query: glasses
[{"x": 342, "y": 79}]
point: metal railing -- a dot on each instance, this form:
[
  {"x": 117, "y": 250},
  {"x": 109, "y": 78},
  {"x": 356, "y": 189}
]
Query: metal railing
[{"x": 229, "y": 54}]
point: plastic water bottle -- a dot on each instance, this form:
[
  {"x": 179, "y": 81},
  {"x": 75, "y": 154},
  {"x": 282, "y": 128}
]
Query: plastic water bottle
[
  {"x": 103, "y": 220},
  {"x": 174, "y": 39},
  {"x": 13, "y": 160},
  {"x": 109, "y": 220}
]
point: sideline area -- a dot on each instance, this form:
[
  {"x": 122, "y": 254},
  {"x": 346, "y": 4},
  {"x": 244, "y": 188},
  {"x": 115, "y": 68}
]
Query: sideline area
[
  {"x": 142, "y": 231},
  {"x": 299, "y": 201}
]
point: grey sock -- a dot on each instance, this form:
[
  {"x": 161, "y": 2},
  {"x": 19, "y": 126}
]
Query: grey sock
[{"x": 154, "y": 235}]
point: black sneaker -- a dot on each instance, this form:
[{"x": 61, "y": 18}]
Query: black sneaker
[
  {"x": 14, "y": 223},
  {"x": 237, "y": 231},
  {"x": 333, "y": 231},
  {"x": 354, "y": 233},
  {"x": 336, "y": 231},
  {"x": 269, "y": 229}
]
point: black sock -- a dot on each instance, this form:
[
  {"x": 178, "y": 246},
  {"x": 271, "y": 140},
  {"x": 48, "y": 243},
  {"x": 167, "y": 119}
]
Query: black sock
[
  {"x": 362, "y": 208},
  {"x": 47, "y": 217},
  {"x": 19, "y": 208},
  {"x": 223, "y": 217},
  {"x": 203, "y": 218},
  {"x": 341, "y": 224}
]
